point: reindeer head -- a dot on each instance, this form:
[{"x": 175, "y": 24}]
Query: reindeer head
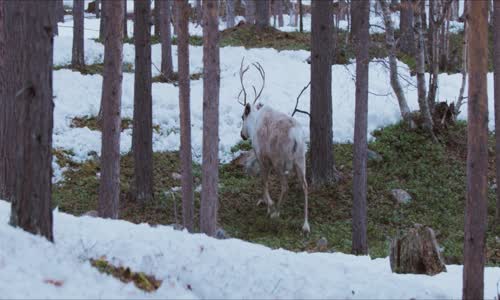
[{"x": 249, "y": 114}]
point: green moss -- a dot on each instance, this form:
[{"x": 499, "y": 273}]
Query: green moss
[
  {"x": 92, "y": 69},
  {"x": 175, "y": 78},
  {"x": 92, "y": 123}
]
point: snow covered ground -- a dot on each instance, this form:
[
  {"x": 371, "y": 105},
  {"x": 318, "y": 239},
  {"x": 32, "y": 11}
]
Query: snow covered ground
[{"x": 194, "y": 266}]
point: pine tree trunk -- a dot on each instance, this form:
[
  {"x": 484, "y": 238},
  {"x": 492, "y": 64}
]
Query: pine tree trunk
[
  {"x": 156, "y": 17},
  {"x": 360, "y": 12},
  {"x": 262, "y": 13},
  {"x": 109, "y": 189},
  {"x": 229, "y": 13},
  {"x": 496, "y": 65},
  {"x": 393, "y": 67},
  {"x": 125, "y": 27},
  {"x": 250, "y": 11},
  {"x": 301, "y": 17},
  {"x": 98, "y": 4},
  {"x": 211, "y": 84},
  {"x": 279, "y": 12},
  {"x": 322, "y": 161},
  {"x": 407, "y": 41},
  {"x": 60, "y": 11},
  {"x": 33, "y": 24},
  {"x": 182, "y": 10},
  {"x": 101, "y": 23},
  {"x": 77, "y": 57},
  {"x": 166, "y": 40},
  {"x": 142, "y": 134},
  {"x": 199, "y": 12},
  {"x": 477, "y": 153},
  {"x": 292, "y": 15}
]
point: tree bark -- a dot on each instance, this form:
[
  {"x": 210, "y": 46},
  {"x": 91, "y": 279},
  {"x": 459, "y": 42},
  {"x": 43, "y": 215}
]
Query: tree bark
[
  {"x": 322, "y": 160},
  {"x": 407, "y": 41},
  {"x": 211, "y": 84},
  {"x": 229, "y": 14},
  {"x": 420, "y": 70},
  {"x": 101, "y": 24},
  {"x": 33, "y": 24},
  {"x": 292, "y": 15},
  {"x": 97, "y": 8},
  {"x": 360, "y": 14},
  {"x": 77, "y": 57},
  {"x": 250, "y": 11},
  {"x": 391, "y": 47},
  {"x": 301, "y": 17},
  {"x": 109, "y": 189},
  {"x": 182, "y": 10},
  {"x": 125, "y": 27},
  {"x": 60, "y": 11},
  {"x": 166, "y": 40},
  {"x": 496, "y": 65},
  {"x": 477, "y": 153},
  {"x": 279, "y": 12},
  {"x": 142, "y": 134},
  {"x": 156, "y": 17},
  {"x": 262, "y": 13},
  {"x": 199, "y": 12}
]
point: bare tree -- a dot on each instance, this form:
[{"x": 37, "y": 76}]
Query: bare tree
[
  {"x": 320, "y": 126},
  {"x": 77, "y": 57},
  {"x": 182, "y": 10},
  {"x": 229, "y": 13},
  {"x": 199, "y": 12},
  {"x": 393, "y": 67},
  {"x": 142, "y": 134},
  {"x": 211, "y": 84},
  {"x": 125, "y": 27},
  {"x": 33, "y": 24},
  {"x": 477, "y": 153},
  {"x": 278, "y": 8},
  {"x": 262, "y": 13},
  {"x": 97, "y": 8},
  {"x": 101, "y": 24},
  {"x": 496, "y": 65},
  {"x": 360, "y": 14},
  {"x": 166, "y": 39},
  {"x": 407, "y": 40},
  {"x": 109, "y": 189},
  {"x": 156, "y": 17},
  {"x": 250, "y": 11},
  {"x": 301, "y": 17},
  {"x": 60, "y": 11}
]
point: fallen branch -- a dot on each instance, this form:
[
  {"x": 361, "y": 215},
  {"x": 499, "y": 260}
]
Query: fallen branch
[{"x": 295, "y": 110}]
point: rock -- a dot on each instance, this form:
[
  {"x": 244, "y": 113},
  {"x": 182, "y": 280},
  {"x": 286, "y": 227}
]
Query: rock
[
  {"x": 416, "y": 252},
  {"x": 322, "y": 244},
  {"x": 248, "y": 161},
  {"x": 374, "y": 156},
  {"x": 221, "y": 234},
  {"x": 91, "y": 213},
  {"x": 176, "y": 176},
  {"x": 401, "y": 196}
]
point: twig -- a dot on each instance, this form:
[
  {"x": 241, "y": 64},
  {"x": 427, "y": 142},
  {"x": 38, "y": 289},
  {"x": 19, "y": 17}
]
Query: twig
[{"x": 297, "y": 102}]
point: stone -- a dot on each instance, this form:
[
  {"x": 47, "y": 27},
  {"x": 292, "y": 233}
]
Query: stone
[
  {"x": 401, "y": 196},
  {"x": 374, "y": 156},
  {"x": 416, "y": 252},
  {"x": 221, "y": 234}
]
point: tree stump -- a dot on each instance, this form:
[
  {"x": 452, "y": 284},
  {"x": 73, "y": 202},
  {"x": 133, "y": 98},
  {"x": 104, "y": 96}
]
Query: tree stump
[{"x": 416, "y": 252}]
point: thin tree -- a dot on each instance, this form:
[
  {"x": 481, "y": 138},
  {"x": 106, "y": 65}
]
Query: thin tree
[
  {"x": 211, "y": 84},
  {"x": 142, "y": 133},
  {"x": 77, "y": 57},
  {"x": 182, "y": 10},
  {"x": 250, "y": 11},
  {"x": 393, "y": 65},
  {"x": 496, "y": 65},
  {"x": 125, "y": 28},
  {"x": 33, "y": 24},
  {"x": 166, "y": 40},
  {"x": 262, "y": 13},
  {"x": 198, "y": 11},
  {"x": 477, "y": 152},
  {"x": 320, "y": 126},
  {"x": 101, "y": 24},
  {"x": 97, "y": 8},
  {"x": 360, "y": 14},
  {"x": 109, "y": 189},
  {"x": 156, "y": 17},
  {"x": 60, "y": 11},
  {"x": 279, "y": 11},
  {"x": 230, "y": 13},
  {"x": 301, "y": 17},
  {"x": 407, "y": 41}
]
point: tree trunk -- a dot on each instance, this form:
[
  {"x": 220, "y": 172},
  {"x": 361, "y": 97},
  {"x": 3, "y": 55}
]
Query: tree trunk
[
  {"x": 477, "y": 153},
  {"x": 292, "y": 15},
  {"x": 97, "y": 8},
  {"x": 463, "y": 72},
  {"x": 182, "y": 10},
  {"x": 496, "y": 65},
  {"x": 142, "y": 134},
  {"x": 420, "y": 70},
  {"x": 407, "y": 41},
  {"x": 391, "y": 47},
  {"x": 211, "y": 84},
  {"x": 279, "y": 12},
  {"x": 33, "y": 24},
  {"x": 125, "y": 27},
  {"x": 250, "y": 11},
  {"x": 199, "y": 12},
  {"x": 301, "y": 21},
  {"x": 322, "y": 161},
  {"x": 156, "y": 17},
  {"x": 424, "y": 15},
  {"x": 101, "y": 23},
  {"x": 166, "y": 40},
  {"x": 229, "y": 14},
  {"x": 77, "y": 58},
  {"x": 109, "y": 189},
  {"x": 262, "y": 13},
  {"x": 360, "y": 12},
  {"x": 60, "y": 11}
]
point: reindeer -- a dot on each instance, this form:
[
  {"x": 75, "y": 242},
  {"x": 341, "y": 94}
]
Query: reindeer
[{"x": 278, "y": 143}]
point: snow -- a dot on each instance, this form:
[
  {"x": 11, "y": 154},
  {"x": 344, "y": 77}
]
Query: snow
[{"x": 213, "y": 269}]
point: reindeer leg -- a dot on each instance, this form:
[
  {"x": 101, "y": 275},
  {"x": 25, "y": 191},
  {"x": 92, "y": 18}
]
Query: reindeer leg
[
  {"x": 301, "y": 174},
  {"x": 284, "y": 190},
  {"x": 265, "y": 181}
]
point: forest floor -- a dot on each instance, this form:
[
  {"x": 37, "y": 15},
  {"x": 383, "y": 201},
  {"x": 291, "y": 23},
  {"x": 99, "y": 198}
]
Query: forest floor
[{"x": 432, "y": 173}]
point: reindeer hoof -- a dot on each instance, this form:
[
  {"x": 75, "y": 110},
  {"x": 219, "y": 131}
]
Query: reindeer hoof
[
  {"x": 275, "y": 214},
  {"x": 306, "y": 228}
]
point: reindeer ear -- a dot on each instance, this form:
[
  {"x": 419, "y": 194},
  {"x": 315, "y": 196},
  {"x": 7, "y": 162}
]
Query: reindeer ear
[{"x": 247, "y": 109}]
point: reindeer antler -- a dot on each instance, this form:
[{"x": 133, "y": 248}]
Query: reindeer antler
[
  {"x": 262, "y": 73},
  {"x": 242, "y": 73}
]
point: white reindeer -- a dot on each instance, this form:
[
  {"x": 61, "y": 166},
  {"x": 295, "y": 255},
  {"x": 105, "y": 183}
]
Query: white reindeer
[{"x": 278, "y": 142}]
